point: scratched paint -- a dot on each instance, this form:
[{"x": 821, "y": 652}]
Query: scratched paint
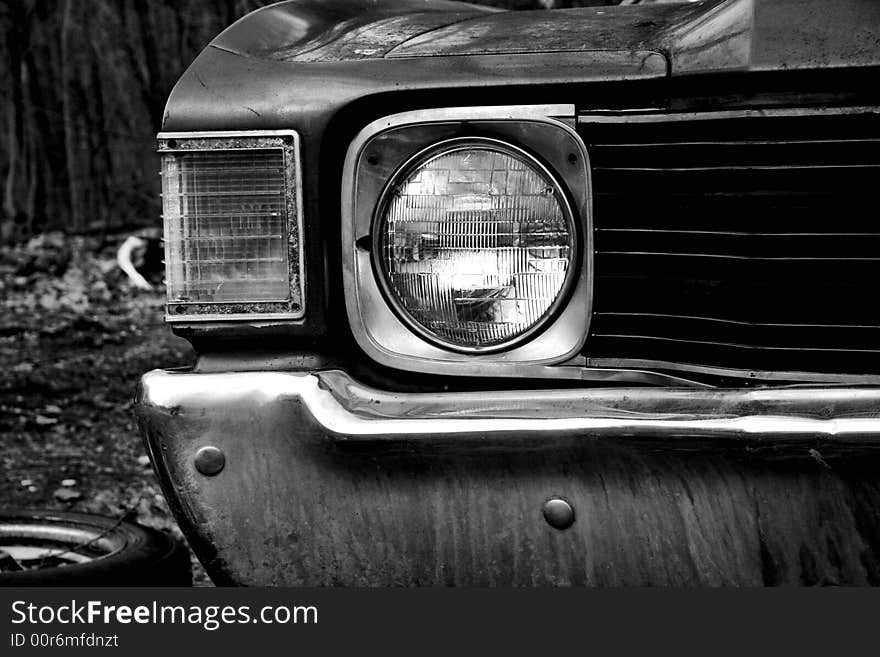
[
  {"x": 297, "y": 504},
  {"x": 713, "y": 35}
]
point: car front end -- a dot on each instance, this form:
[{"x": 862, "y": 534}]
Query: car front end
[{"x": 525, "y": 298}]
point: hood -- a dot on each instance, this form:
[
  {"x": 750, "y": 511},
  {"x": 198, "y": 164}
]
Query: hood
[{"x": 712, "y": 35}]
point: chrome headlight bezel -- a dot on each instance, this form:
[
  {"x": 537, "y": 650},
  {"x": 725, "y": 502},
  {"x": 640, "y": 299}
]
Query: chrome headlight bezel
[
  {"x": 380, "y": 150},
  {"x": 420, "y": 159}
]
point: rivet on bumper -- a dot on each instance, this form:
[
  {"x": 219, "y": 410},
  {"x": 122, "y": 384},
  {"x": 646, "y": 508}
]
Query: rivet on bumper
[
  {"x": 558, "y": 513},
  {"x": 209, "y": 460}
]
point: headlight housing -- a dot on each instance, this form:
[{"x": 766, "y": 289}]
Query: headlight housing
[
  {"x": 232, "y": 208},
  {"x": 474, "y": 244}
]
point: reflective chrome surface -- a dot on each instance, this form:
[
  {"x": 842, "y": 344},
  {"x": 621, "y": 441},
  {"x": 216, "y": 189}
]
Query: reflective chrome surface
[
  {"x": 558, "y": 513},
  {"x": 209, "y": 460},
  {"x": 330, "y": 482},
  {"x": 379, "y": 331},
  {"x": 346, "y": 410},
  {"x": 657, "y": 115}
]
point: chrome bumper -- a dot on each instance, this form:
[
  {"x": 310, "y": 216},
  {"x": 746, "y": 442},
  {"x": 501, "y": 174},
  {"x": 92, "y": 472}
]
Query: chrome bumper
[
  {"x": 343, "y": 410},
  {"x": 328, "y": 481}
]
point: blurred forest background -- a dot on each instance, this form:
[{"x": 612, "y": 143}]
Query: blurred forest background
[{"x": 83, "y": 86}]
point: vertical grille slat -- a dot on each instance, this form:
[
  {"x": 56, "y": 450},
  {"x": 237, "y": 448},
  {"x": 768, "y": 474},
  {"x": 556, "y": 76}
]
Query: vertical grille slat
[{"x": 744, "y": 243}]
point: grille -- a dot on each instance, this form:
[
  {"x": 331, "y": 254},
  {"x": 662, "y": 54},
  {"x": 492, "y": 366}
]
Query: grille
[
  {"x": 228, "y": 212},
  {"x": 750, "y": 243}
]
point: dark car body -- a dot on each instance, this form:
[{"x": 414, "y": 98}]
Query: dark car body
[{"x": 705, "y": 403}]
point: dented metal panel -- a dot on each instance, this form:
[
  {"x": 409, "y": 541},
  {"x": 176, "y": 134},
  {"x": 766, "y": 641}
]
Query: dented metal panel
[
  {"x": 572, "y": 30},
  {"x": 326, "y": 481},
  {"x": 272, "y": 68},
  {"x": 335, "y": 30},
  {"x": 713, "y": 35},
  {"x": 329, "y": 482}
]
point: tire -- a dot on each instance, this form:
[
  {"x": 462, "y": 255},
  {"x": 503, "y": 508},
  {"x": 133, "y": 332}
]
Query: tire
[{"x": 77, "y": 549}]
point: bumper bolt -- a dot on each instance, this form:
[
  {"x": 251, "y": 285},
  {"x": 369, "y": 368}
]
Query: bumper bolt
[
  {"x": 558, "y": 513},
  {"x": 209, "y": 460}
]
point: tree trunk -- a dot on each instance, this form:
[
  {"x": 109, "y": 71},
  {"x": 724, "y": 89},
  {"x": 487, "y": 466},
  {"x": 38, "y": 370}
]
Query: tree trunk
[
  {"x": 15, "y": 47},
  {"x": 68, "y": 119},
  {"x": 101, "y": 150},
  {"x": 42, "y": 133},
  {"x": 154, "y": 93}
]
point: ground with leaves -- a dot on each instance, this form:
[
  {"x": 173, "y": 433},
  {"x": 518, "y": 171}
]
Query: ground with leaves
[{"x": 74, "y": 338}]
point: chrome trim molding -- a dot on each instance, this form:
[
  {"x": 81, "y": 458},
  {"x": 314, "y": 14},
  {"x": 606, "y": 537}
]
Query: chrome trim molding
[
  {"x": 343, "y": 410},
  {"x": 246, "y": 318},
  {"x": 378, "y": 329},
  {"x": 220, "y": 134},
  {"x": 665, "y": 116},
  {"x": 476, "y": 113},
  {"x": 296, "y": 301},
  {"x": 756, "y": 375}
]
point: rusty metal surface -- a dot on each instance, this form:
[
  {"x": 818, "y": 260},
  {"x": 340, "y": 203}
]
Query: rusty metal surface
[
  {"x": 582, "y": 30},
  {"x": 225, "y": 91},
  {"x": 337, "y": 30},
  {"x": 713, "y": 35},
  {"x": 674, "y": 29},
  {"x": 274, "y": 67},
  {"x": 814, "y": 34},
  {"x": 329, "y": 482}
]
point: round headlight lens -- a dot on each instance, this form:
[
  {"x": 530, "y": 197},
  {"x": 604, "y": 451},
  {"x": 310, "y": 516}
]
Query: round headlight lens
[{"x": 476, "y": 242}]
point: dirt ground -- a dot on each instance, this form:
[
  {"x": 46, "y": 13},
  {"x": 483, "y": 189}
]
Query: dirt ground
[{"x": 74, "y": 338}]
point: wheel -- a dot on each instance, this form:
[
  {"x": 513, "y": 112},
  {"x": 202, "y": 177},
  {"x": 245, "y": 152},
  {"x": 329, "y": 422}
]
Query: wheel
[{"x": 51, "y": 548}]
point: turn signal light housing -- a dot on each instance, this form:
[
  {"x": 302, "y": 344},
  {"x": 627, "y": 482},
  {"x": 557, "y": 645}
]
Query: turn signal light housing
[{"x": 232, "y": 225}]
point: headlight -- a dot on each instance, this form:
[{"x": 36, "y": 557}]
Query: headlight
[{"x": 474, "y": 243}]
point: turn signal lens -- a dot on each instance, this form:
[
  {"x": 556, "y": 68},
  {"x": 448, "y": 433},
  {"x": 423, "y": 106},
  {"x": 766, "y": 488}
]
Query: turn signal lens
[
  {"x": 233, "y": 222},
  {"x": 225, "y": 228},
  {"x": 475, "y": 242}
]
